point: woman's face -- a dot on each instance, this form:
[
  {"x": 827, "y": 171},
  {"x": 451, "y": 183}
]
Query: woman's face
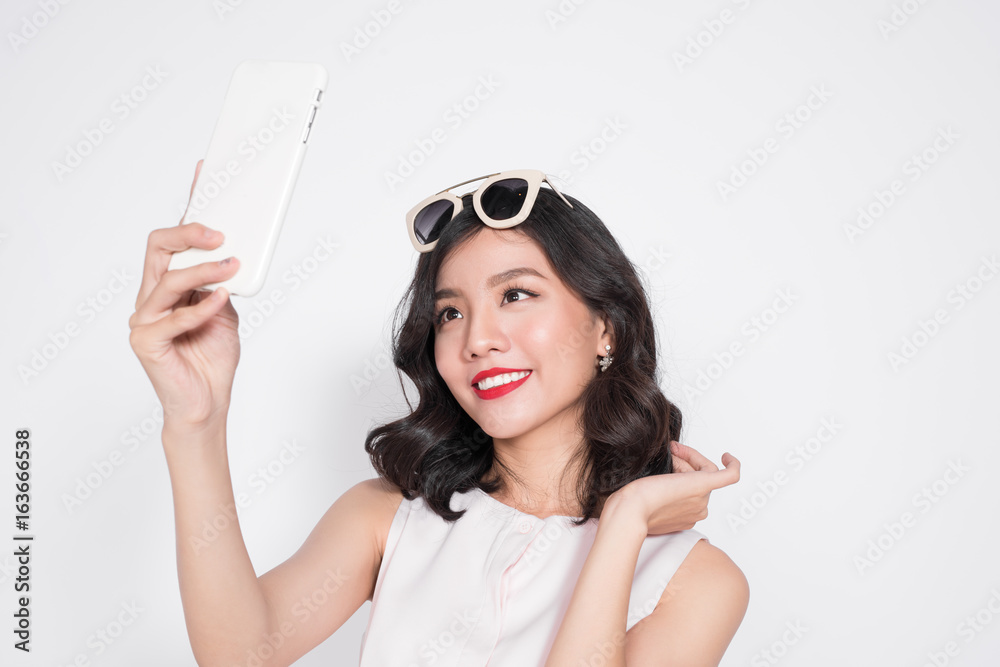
[{"x": 482, "y": 322}]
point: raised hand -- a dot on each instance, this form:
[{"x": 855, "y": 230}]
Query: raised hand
[
  {"x": 186, "y": 339},
  {"x": 677, "y": 501}
]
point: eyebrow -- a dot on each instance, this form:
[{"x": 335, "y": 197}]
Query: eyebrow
[{"x": 493, "y": 281}]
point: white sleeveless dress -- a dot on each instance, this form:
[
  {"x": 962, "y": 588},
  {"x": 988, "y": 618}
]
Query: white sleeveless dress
[{"x": 493, "y": 587}]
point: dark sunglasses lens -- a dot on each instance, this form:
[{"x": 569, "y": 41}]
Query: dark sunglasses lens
[
  {"x": 504, "y": 199},
  {"x": 431, "y": 219}
]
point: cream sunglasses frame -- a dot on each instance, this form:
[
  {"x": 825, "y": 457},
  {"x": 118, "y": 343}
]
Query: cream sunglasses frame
[{"x": 532, "y": 177}]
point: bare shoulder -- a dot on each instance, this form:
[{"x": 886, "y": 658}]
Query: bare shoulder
[
  {"x": 709, "y": 569},
  {"x": 338, "y": 563},
  {"x": 699, "y": 612},
  {"x": 377, "y": 493},
  {"x": 380, "y": 500}
]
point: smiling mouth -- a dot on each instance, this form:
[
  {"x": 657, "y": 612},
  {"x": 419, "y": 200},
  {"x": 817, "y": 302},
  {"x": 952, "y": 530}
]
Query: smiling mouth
[{"x": 500, "y": 380}]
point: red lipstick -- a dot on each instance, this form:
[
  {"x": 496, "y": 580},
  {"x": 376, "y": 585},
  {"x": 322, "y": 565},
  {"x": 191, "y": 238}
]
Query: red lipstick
[{"x": 496, "y": 392}]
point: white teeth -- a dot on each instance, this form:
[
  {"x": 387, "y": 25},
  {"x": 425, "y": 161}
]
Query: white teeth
[{"x": 503, "y": 378}]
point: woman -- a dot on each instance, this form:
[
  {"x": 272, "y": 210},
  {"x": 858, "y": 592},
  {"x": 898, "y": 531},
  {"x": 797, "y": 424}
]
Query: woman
[{"x": 532, "y": 522}]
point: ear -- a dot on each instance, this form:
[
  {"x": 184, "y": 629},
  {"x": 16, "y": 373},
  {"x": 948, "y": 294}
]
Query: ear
[{"x": 607, "y": 337}]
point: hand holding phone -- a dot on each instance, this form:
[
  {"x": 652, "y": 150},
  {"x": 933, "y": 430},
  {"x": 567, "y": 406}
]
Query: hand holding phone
[
  {"x": 252, "y": 164},
  {"x": 187, "y": 340}
]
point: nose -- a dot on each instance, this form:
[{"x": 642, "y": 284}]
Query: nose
[{"x": 484, "y": 332}]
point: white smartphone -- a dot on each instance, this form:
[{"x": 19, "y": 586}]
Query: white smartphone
[{"x": 253, "y": 161}]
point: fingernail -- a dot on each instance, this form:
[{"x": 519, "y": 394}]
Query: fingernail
[{"x": 227, "y": 260}]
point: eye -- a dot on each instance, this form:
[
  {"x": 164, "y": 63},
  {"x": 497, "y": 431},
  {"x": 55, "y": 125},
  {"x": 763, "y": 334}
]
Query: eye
[
  {"x": 440, "y": 314},
  {"x": 515, "y": 290},
  {"x": 439, "y": 317}
]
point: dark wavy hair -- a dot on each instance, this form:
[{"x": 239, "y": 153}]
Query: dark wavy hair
[{"x": 627, "y": 423}]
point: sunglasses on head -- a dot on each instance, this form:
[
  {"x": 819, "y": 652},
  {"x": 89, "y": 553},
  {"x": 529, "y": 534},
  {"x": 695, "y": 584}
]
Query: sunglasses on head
[{"x": 503, "y": 200}]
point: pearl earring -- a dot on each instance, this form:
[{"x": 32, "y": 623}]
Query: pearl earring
[{"x": 606, "y": 361}]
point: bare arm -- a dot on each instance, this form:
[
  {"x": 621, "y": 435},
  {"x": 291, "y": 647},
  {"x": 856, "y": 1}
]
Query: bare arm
[
  {"x": 594, "y": 625},
  {"x": 696, "y": 618},
  {"x": 230, "y": 613},
  {"x": 224, "y": 605},
  {"x": 187, "y": 342},
  {"x": 698, "y": 615},
  {"x": 324, "y": 583}
]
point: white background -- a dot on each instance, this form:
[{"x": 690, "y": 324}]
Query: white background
[{"x": 894, "y": 77}]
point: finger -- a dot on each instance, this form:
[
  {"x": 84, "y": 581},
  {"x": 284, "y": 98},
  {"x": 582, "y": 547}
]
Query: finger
[
  {"x": 728, "y": 475},
  {"x": 163, "y": 243},
  {"x": 692, "y": 455},
  {"x": 183, "y": 320},
  {"x": 146, "y": 285},
  {"x": 175, "y": 284},
  {"x": 732, "y": 466},
  {"x": 680, "y": 465}
]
